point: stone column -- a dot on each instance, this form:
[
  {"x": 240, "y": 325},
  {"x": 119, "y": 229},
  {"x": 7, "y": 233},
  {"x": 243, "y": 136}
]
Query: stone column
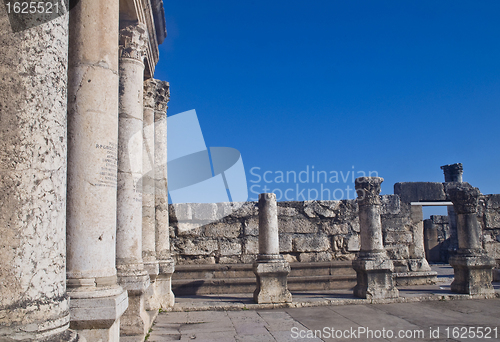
[
  {"x": 165, "y": 261},
  {"x": 431, "y": 239},
  {"x": 417, "y": 261},
  {"x": 97, "y": 302},
  {"x": 373, "y": 266},
  {"x": 129, "y": 264},
  {"x": 33, "y": 110},
  {"x": 452, "y": 173},
  {"x": 472, "y": 266},
  {"x": 271, "y": 269},
  {"x": 148, "y": 194}
]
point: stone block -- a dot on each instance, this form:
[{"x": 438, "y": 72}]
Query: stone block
[
  {"x": 319, "y": 209},
  {"x": 394, "y": 223},
  {"x": 353, "y": 244},
  {"x": 391, "y": 204},
  {"x": 187, "y": 229},
  {"x": 315, "y": 257},
  {"x": 224, "y": 230},
  {"x": 398, "y": 252},
  {"x": 287, "y": 211},
  {"x": 251, "y": 245},
  {"x": 339, "y": 243},
  {"x": 398, "y": 237},
  {"x": 310, "y": 243},
  {"x": 493, "y": 201},
  {"x": 197, "y": 247},
  {"x": 248, "y": 258},
  {"x": 289, "y": 258},
  {"x": 420, "y": 191},
  {"x": 272, "y": 282},
  {"x": 230, "y": 247},
  {"x": 229, "y": 260},
  {"x": 180, "y": 212},
  {"x": 247, "y": 209},
  {"x": 204, "y": 211},
  {"x": 331, "y": 228},
  {"x": 289, "y": 225},
  {"x": 493, "y": 249},
  {"x": 492, "y": 219},
  {"x": 251, "y": 226},
  {"x": 285, "y": 241}
]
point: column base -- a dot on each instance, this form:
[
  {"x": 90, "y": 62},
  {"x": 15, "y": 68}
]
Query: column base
[
  {"x": 272, "y": 273},
  {"x": 95, "y": 314},
  {"x": 473, "y": 274},
  {"x": 135, "y": 320},
  {"x": 374, "y": 278}
]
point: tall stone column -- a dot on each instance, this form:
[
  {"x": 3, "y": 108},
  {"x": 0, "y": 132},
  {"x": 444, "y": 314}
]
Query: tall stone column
[
  {"x": 148, "y": 194},
  {"x": 165, "y": 261},
  {"x": 97, "y": 301},
  {"x": 129, "y": 264},
  {"x": 452, "y": 173},
  {"x": 271, "y": 269},
  {"x": 373, "y": 266},
  {"x": 472, "y": 266},
  {"x": 33, "y": 110}
]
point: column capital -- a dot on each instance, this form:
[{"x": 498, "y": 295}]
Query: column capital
[
  {"x": 464, "y": 197},
  {"x": 133, "y": 41},
  {"x": 156, "y": 94},
  {"x": 453, "y": 172},
  {"x": 368, "y": 190}
]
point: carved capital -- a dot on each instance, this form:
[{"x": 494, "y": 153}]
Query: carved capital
[
  {"x": 156, "y": 95},
  {"x": 133, "y": 41},
  {"x": 368, "y": 190},
  {"x": 453, "y": 172},
  {"x": 464, "y": 197}
]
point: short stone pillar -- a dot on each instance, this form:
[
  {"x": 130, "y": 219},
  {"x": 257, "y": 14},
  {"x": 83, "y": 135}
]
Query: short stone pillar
[
  {"x": 472, "y": 266},
  {"x": 271, "y": 269},
  {"x": 452, "y": 173},
  {"x": 34, "y": 305},
  {"x": 130, "y": 267},
  {"x": 373, "y": 266},
  {"x": 97, "y": 301}
]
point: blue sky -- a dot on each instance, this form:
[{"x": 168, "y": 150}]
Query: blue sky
[{"x": 396, "y": 87}]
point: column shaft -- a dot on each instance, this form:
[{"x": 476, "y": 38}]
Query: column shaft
[
  {"x": 268, "y": 225},
  {"x": 92, "y": 155},
  {"x": 165, "y": 261},
  {"x": 33, "y": 111},
  {"x": 130, "y": 267}
]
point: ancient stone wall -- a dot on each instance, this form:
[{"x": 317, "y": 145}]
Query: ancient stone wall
[
  {"x": 437, "y": 238},
  {"x": 489, "y": 219},
  {"x": 308, "y": 231}
]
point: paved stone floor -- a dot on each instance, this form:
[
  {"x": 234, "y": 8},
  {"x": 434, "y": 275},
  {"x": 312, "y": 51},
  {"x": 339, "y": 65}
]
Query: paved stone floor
[{"x": 423, "y": 313}]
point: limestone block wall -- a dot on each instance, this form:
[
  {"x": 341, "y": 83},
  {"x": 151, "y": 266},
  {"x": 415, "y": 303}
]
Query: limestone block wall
[
  {"x": 489, "y": 219},
  {"x": 437, "y": 238},
  {"x": 308, "y": 231}
]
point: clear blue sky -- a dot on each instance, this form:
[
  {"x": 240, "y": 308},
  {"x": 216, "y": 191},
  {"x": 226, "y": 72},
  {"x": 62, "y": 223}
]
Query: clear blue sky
[{"x": 397, "y": 87}]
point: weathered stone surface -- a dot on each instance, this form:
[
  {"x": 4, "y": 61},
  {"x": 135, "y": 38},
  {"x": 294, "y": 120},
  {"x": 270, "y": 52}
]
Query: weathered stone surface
[
  {"x": 230, "y": 247},
  {"x": 420, "y": 191},
  {"x": 204, "y": 211},
  {"x": 315, "y": 257},
  {"x": 319, "y": 208},
  {"x": 353, "y": 243},
  {"x": 286, "y": 211},
  {"x": 398, "y": 237},
  {"x": 286, "y": 244},
  {"x": 390, "y": 205},
  {"x": 33, "y": 147},
  {"x": 221, "y": 229},
  {"x": 251, "y": 226},
  {"x": 310, "y": 243},
  {"x": 398, "y": 252},
  {"x": 297, "y": 225},
  {"x": 272, "y": 282},
  {"x": 180, "y": 212},
  {"x": 251, "y": 245},
  {"x": 332, "y": 228},
  {"x": 197, "y": 247},
  {"x": 268, "y": 225}
]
